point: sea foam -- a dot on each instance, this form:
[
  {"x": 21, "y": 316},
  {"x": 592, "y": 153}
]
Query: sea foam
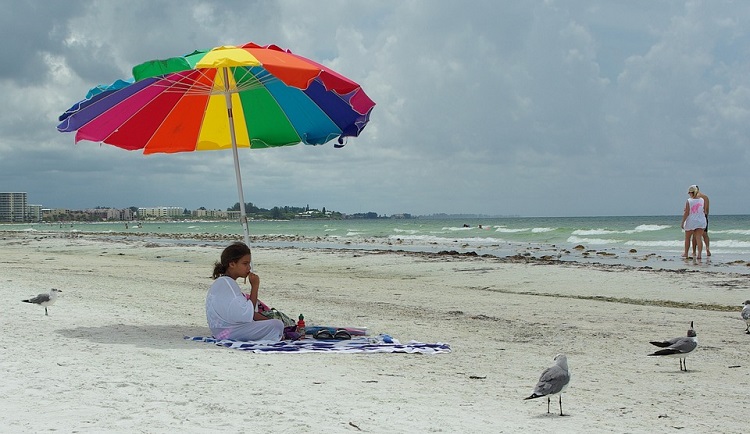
[{"x": 595, "y": 241}]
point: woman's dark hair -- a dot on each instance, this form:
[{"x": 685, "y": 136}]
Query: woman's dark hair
[{"x": 232, "y": 253}]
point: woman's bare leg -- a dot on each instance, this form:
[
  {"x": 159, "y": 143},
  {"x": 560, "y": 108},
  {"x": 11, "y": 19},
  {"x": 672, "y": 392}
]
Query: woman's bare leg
[
  {"x": 688, "y": 239},
  {"x": 699, "y": 241},
  {"x": 694, "y": 243}
]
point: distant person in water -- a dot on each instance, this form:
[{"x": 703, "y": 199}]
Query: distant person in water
[
  {"x": 693, "y": 221},
  {"x": 706, "y": 240},
  {"x": 232, "y": 314}
]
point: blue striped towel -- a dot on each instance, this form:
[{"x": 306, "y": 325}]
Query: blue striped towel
[{"x": 367, "y": 344}]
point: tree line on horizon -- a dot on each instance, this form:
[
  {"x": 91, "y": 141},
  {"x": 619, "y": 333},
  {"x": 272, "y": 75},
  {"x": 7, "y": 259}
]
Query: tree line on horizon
[{"x": 284, "y": 212}]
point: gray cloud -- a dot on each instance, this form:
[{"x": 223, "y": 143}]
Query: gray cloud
[{"x": 531, "y": 108}]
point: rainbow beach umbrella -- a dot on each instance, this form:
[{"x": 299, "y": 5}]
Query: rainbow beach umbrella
[{"x": 228, "y": 97}]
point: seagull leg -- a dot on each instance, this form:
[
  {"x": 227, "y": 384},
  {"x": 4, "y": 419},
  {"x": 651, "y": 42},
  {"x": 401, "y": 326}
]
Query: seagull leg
[
  {"x": 548, "y": 404},
  {"x": 561, "y": 413},
  {"x": 45, "y": 311}
]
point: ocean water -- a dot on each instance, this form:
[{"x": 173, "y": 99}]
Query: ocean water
[{"x": 632, "y": 240}]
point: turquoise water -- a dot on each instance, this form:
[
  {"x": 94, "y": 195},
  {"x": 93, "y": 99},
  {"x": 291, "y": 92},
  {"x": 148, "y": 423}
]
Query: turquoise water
[{"x": 660, "y": 236}]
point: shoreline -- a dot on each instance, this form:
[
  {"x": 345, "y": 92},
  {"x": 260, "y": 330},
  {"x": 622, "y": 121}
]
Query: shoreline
[{"x": 542, "y": 252}]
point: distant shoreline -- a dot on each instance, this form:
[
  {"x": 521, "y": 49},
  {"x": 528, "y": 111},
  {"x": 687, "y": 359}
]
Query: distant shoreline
[{"x": 534, "y": 254}]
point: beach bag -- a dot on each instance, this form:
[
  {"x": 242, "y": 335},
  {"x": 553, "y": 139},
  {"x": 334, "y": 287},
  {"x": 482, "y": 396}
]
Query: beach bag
[
  {"x": 291, "y": 333},
  {"x": 272, "y": 313},
  {"x": 290, "y": 326},
  {"x": 275, "y": 314}
]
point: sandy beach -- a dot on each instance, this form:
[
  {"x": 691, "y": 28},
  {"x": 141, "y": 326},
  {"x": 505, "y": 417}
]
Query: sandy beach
[{"x": 111, "y": 357}]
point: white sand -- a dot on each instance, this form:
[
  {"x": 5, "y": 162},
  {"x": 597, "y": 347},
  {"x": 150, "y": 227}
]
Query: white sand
[{"x": 110, "y": 356}]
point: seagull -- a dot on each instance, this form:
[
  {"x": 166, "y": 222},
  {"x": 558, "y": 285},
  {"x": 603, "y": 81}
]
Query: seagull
[
  {"x": 44, "y": 299},
  {"x": 553, "y": 381},
  {"x": 746, "y": 315},
  {"x": 678, "y": 347}
]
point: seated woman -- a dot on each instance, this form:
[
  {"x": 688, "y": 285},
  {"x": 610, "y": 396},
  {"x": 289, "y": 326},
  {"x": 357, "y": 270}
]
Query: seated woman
[{"x": 231, "y": 314}]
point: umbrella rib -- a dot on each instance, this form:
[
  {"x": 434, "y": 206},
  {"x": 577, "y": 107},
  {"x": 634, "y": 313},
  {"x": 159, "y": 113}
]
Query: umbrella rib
[
  {"x": 187, "y": 85},
  {"x": 261, "y": 79},
  {"x": 194, "y": 86}
]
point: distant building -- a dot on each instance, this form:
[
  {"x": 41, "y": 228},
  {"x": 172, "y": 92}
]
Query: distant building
[
  {"x": 110, "y": 213},
  {"x": 209, "y": 214},
  {"x": 160, "y": 212},
  {"x": 120, "y": 214},
  {"x": 91, "y": 214},
  {"x": 52, "y": 214},
  {"x": 35, "y": 213},
  {"x": 13, "y": 207}
]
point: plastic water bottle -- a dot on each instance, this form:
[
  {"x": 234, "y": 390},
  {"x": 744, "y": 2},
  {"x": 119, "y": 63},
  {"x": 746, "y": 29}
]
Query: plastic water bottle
[{"x": 301, "y": 326}]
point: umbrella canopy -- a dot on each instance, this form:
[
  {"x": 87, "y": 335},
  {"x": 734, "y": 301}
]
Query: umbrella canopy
[{"x": 223, "y": 98}]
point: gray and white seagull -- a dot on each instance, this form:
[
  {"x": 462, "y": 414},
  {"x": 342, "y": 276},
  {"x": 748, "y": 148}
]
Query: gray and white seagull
[
  {"x": 44, "y": 299},
  {"x": 746, "y": 315},
  {"x": 553, "y": 381},
  {"x": 678, "y": 347}
]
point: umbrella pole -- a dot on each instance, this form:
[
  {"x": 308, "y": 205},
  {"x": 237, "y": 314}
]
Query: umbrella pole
[{"x": 243, "y": 214}]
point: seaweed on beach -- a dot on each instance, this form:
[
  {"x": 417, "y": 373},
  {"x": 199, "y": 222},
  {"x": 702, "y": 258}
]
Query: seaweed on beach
[{"x": 625, "y": 300}]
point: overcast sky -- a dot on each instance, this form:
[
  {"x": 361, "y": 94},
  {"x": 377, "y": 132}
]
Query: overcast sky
[{"x": 532, "y": 108}]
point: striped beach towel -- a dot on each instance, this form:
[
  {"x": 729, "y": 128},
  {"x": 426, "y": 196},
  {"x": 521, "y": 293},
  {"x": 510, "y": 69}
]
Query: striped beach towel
[{"x": 376, "y": 344}]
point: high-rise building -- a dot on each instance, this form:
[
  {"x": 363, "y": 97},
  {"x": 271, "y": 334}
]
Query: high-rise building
[
  {"x": 160, "y": 212},
  {"x": 13, "y": 207},
  {"x": 34, "y": 214}
]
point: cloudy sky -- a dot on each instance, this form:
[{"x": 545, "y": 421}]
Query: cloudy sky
[{"x": 533, "y": 108}]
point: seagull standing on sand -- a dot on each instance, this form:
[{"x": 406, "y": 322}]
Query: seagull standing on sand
[
  {"x": 553, "y": 381},
  {"x": 678, "y": 347},
  {"x": 746, "y": 315},
  {"x": 44, "y": 299}
]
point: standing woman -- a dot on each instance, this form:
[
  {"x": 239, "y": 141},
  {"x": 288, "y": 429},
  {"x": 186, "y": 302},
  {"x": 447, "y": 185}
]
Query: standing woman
[
  {"x": 230, "y": 313},
  {"x": 694, "y": 221}
]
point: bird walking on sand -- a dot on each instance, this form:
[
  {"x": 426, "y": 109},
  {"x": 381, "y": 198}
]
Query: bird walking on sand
[
  {"x": 746, "y": 315},
  {"x": 678, "y": 347},
  {"x": 44, "y": 299},
  {"x": 553, "y": 381}
]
